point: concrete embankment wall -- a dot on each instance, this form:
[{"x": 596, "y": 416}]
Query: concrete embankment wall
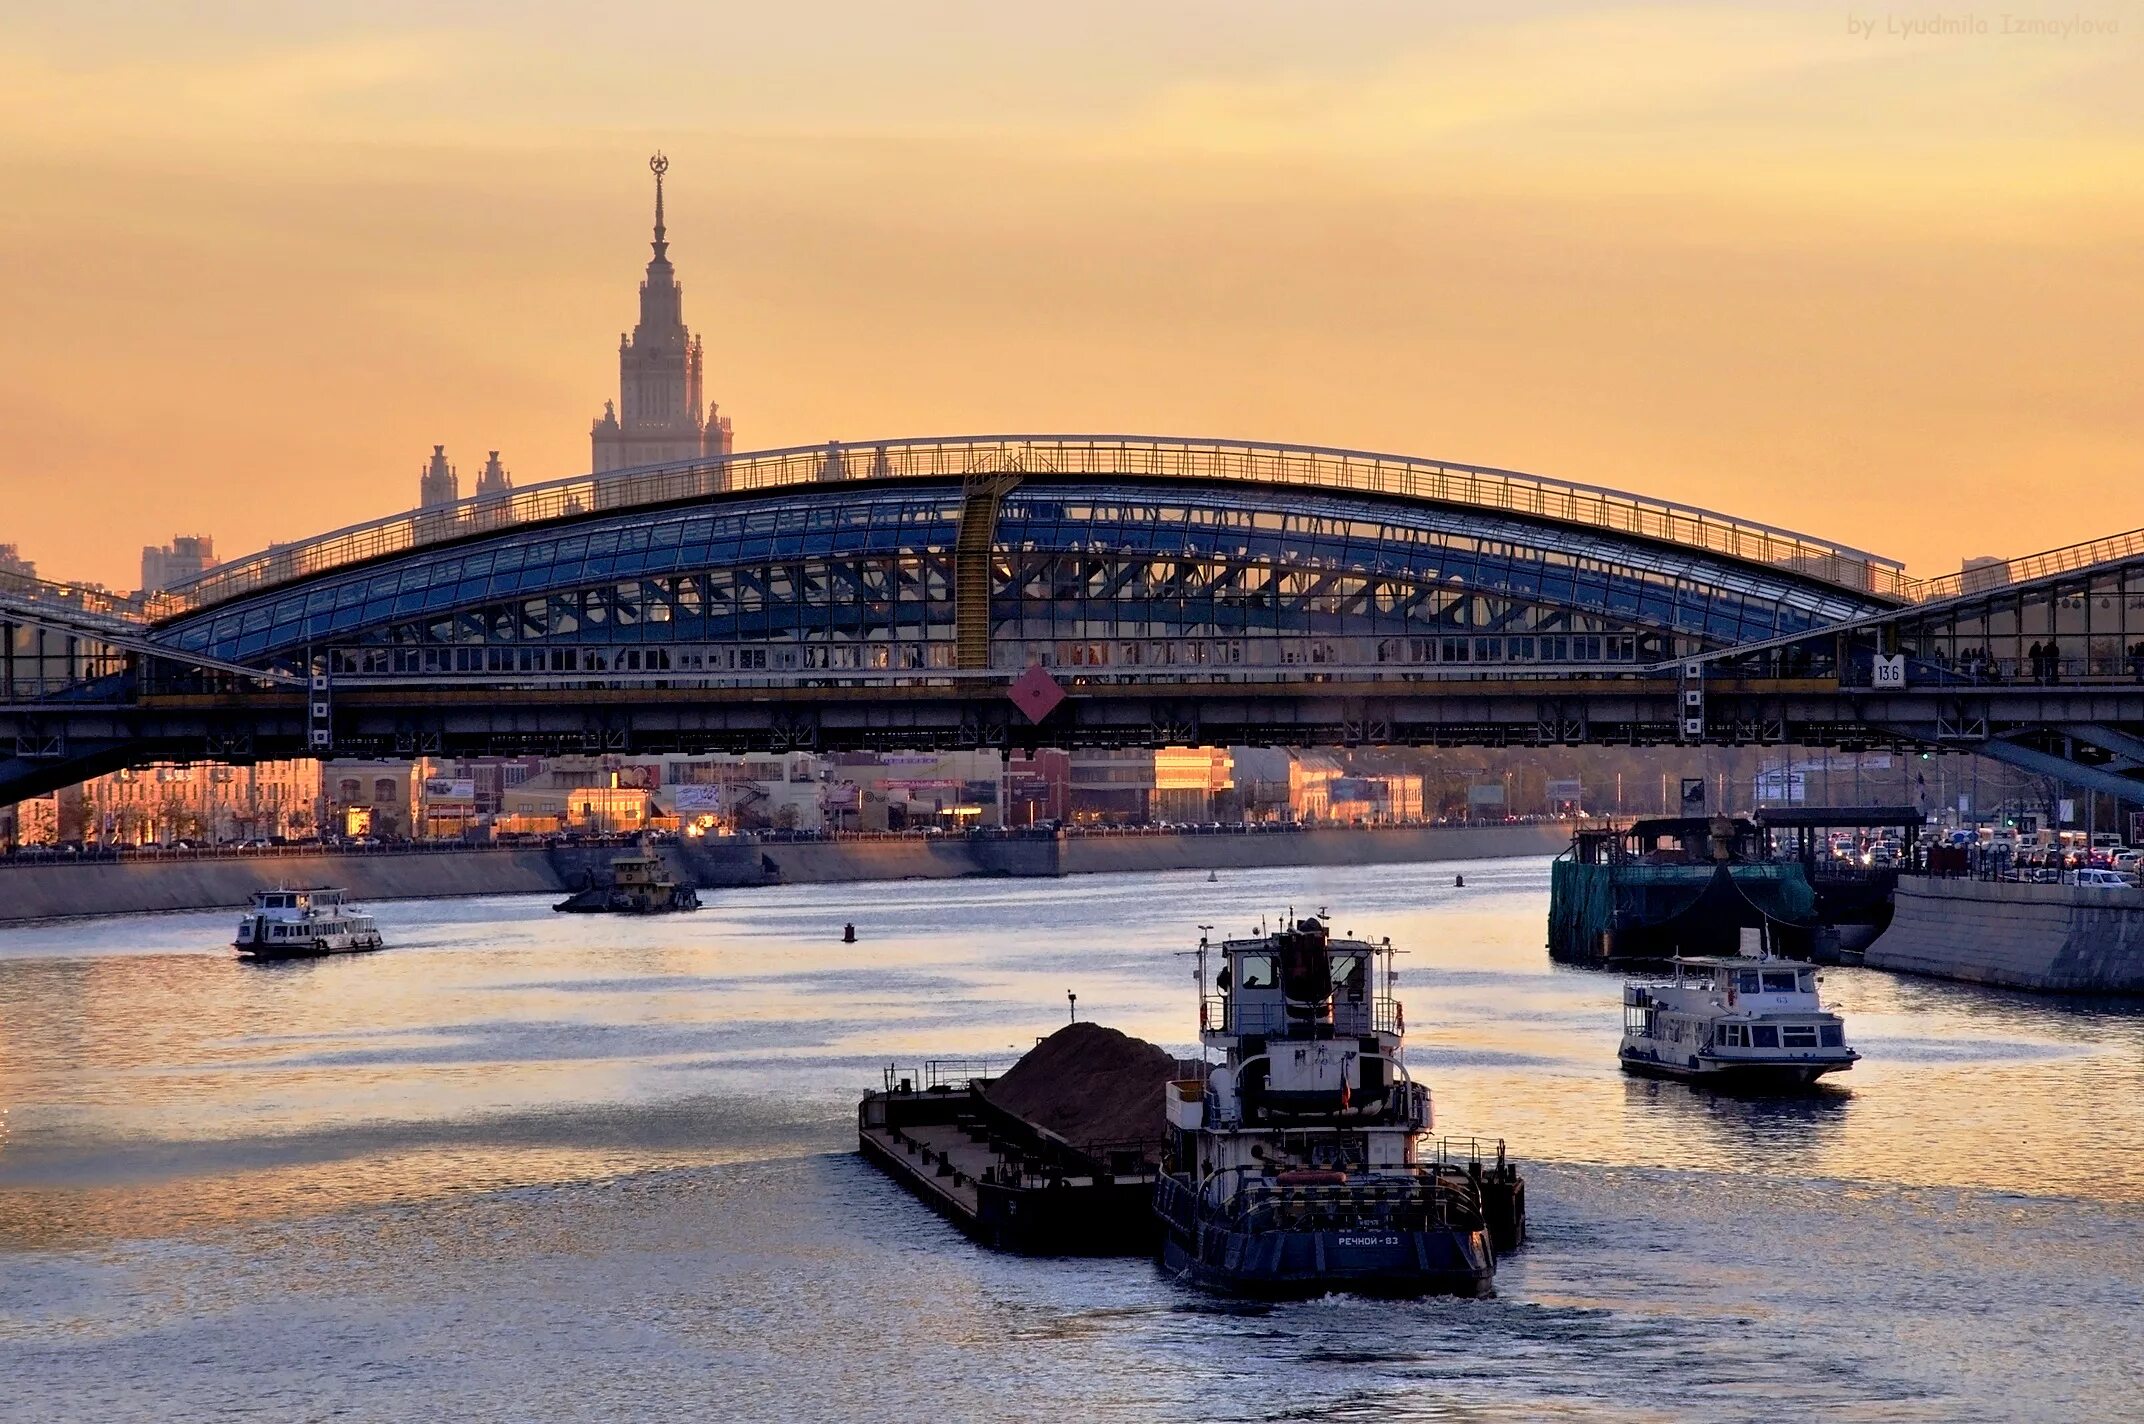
[
  {"x": 50, "y": 891},
  {"x": 2062, "y": 939},
  {"x": 1091, "y": 854}
]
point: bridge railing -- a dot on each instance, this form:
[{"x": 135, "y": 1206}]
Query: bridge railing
[
  {"x": 1357, "y": 471},
  {"x": 88, "y": 599},
  {"x": 1990, "y": 577}
]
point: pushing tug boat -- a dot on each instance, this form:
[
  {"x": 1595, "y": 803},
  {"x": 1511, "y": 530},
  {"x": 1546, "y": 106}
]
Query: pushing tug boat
[
  {"x": 303, "y": 924},
  {"x": 1297, "y": 1165},
  {"x": 1741, "y": 1021},
  {"x": 639, "y": 885}
]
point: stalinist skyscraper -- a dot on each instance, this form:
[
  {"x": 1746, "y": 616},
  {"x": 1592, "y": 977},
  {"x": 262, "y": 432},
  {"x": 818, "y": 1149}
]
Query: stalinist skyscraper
[{"x": 658, "y": 414}]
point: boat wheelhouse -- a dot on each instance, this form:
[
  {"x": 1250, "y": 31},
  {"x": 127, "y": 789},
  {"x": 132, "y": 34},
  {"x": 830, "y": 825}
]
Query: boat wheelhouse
[
  {"x": 1297, "y": 1164},
  {"x": 1755, "y": 1021},
  {"x": 303, "y": 924}
]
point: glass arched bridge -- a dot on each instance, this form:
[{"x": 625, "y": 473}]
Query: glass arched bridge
[{"x": 887, "y": 593}]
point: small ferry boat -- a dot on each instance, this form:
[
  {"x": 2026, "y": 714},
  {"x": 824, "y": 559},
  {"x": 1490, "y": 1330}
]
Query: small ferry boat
[
  {"x": 1297, "y": 1165},
  {"x": 639, "y": 885},
  {"x": 300, "y": 924},
  {"x": 1752, "y": 1021}
]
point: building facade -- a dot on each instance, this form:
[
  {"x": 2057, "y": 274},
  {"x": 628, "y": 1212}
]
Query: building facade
[
  {"x": 438, "y": 483},
  {"x": 186, "y": 557},
  {"x": 204, "y": 802},
  {"x": 658, "y": 414}
]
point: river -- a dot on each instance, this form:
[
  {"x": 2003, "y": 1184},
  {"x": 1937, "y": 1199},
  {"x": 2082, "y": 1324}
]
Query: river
[{"x": 532, "y": 1166}]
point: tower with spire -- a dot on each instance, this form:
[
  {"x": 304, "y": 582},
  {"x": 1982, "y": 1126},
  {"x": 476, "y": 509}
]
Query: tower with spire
[
  {"x": 658, "y": 416},
  {"x": 437, "y": 483}
]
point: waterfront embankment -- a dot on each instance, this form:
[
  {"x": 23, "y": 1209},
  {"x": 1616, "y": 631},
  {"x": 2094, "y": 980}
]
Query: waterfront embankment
[
  {"x": 2062, "y": 939},
  {"x": 54, "y": 890}
]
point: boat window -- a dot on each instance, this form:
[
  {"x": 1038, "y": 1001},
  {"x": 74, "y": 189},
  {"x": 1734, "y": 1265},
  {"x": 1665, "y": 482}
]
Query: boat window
[
  {"x": 1805, "y": 980},
  {"x": 1349, "y": 972},
  {"x": 1308, "y": 975},
  {"x": 1779, "y": 983},
  {"x": 1831, "y": 1035},
  {"x": 1763, "y": 1036},
  {"x": 1731, "y": 1036},
  {"x": 1747, "y": 981},
  {"x": 1257, "y": 971},
  {"x": 1798, "y": 1035}
]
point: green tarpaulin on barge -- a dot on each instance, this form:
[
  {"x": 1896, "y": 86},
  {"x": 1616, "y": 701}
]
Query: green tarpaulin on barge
[{"x": 1653, "y": 911}]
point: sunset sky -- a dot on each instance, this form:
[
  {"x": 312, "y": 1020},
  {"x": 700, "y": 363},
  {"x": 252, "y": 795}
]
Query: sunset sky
[{"x": 1786, "y": 261}]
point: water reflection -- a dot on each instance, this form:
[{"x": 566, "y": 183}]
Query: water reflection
[{"x": 497, "y": 1043}]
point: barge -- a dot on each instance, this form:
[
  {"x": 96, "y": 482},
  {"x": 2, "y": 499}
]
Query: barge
[
  {"x": 1673, "y": 886},
  {"x": 1055, "y": 1155}
]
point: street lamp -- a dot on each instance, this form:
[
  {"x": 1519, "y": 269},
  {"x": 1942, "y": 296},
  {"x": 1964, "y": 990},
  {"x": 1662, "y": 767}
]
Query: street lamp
[{"x": 1072, "y": 1004}]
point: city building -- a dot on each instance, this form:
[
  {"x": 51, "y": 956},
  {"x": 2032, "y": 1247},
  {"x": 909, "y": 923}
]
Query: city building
[
  {"x": 493, "y": 482},
  {"x": 875, "y": 791},
  {"x": 187, "y": 556},
  {"x": 438, "y": 484},
  {"x": 213, "y": 803},
  {"x": 376, "y": 799},
  {"x": 1038, "y": 787},
  {"x": 657, "y": 416},
  {"x": 1133, "y": 786},
  {"x": 12, "y": 562}
]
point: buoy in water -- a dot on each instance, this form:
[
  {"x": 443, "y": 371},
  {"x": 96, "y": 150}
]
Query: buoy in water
[
  {"x": 1459, "y": 882},
  {"x": 1213, "y": 877},
  {"x": 848, "y": 934}
]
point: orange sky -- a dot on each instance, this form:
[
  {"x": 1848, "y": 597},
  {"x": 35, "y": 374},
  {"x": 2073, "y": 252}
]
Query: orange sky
[{"x": 1879, "y": 286}]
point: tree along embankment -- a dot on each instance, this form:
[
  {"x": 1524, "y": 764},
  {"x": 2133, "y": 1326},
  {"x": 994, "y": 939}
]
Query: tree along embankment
[{"x": 56, "y": 890}]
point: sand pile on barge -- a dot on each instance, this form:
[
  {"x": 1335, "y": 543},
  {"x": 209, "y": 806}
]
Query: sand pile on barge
[{"x": 1089, "y": 1085}]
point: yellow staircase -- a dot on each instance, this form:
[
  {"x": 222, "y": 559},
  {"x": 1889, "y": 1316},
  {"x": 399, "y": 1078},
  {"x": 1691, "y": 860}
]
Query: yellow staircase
[{"x": 981, "y": 493}]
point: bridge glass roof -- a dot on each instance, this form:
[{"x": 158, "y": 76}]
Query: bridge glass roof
[
  {"x": 1476, "y": 487},
  {"x": 1091, "y": 558}
]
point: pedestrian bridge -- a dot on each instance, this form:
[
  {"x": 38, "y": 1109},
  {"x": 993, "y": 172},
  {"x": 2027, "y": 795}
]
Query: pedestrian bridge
[{"x": 888, "y": 592}]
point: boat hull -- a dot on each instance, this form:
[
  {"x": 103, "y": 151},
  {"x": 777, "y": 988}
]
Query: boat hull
[
  {"x": 1760, "y": 1075},
  {"x": 312, "y": 950},
  {"x": 1371, "y": 1260}
]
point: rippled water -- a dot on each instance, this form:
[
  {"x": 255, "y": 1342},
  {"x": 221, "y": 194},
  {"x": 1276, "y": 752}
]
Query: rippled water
[{"x": 536, "y": 1166}]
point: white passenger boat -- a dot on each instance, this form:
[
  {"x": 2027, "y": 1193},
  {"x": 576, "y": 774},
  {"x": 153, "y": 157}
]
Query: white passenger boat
[
  {"x": 1752, "y": 1021},
  {"x": 300, "y": 924}
]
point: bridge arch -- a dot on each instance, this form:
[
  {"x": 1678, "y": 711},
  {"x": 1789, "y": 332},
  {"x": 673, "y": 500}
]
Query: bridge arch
[{"x": 1124, "y": 571}]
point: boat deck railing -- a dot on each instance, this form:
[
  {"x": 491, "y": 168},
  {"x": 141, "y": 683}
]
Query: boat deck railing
[
  {"x": 1434, "y": 1197},
  {"x": 1350, "y": 1016},
  {"x": 948, "y": 1074}
]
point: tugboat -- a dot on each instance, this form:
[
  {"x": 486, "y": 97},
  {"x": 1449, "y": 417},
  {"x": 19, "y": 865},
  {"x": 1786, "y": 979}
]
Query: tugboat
[
  {"x": 640, "y": 885},
  {"x": 1297, "y": 1165},
  {"x": 1743, "y": 1021},
  {"x": 303, "y": 924}
]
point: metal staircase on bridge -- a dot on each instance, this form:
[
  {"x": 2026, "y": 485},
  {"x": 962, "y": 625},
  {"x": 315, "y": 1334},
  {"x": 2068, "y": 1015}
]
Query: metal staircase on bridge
[{"x": 980, "y": 494}]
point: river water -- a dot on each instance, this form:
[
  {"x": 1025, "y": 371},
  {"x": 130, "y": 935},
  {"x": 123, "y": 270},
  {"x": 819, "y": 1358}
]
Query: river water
[{"x": 529, "y": 1166}]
